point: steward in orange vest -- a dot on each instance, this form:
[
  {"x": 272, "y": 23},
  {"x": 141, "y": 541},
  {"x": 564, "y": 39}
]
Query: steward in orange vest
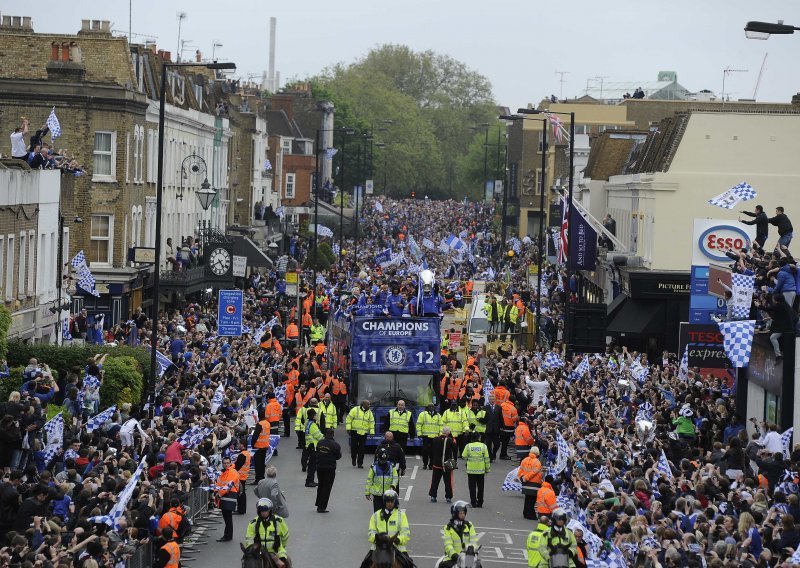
[
  {"x": 228, "y": 491},
  {"x": 242, "y": 466},
  {"x": 169, "y": 555}
]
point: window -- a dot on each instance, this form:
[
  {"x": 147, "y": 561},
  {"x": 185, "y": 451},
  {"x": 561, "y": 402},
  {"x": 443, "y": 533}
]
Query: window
[
  {"x": 23, "y": 273},
  {"x": 102, "y": 240},
  {"x": 128, "y": 157},
  {"x": 105, "y": 156},
  {"x": 152, "y": 140},
  {"x": 540, "y": 143},
  {"x": 135, "y": 153},
  {"x": 10, "y": 269},
  {"x": 581, "y": 129},
  {"x": 198, "y": 95},
  {"x": 290, "y": 179},
  {"x": 286, "y": 145}
]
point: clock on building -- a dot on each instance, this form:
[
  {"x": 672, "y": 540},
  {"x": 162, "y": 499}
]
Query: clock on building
[{"x": 219, "y": 261}]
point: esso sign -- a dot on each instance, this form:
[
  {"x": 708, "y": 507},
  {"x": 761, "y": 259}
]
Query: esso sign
[{"x": 716, "y": 240}]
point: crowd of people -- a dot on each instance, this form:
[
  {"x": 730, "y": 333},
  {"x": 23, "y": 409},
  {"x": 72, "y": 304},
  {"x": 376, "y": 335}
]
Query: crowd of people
[
  {"x": 622, "y": 460},
  {"x": 40, "y": 155}
]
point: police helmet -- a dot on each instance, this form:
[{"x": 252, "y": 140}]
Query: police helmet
[
  {"x": 559, "y": 515},
  {"x": 390, "y": 495},
  {"x": 382, "y": 456},
  {"x": 264, "y": 504},
  {"x": 457, "y": 507}
]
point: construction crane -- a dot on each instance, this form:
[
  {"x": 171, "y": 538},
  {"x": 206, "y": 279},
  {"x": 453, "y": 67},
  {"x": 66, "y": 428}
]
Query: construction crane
[{"x": 760, "y": 74}]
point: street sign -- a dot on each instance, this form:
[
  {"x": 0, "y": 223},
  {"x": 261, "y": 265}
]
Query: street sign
[
  {"x": 370, "y": 187},
  {"x": 229, "y": 318},
  {"x": 291, "y": 277},
  {"x": 455, "y": 340},
  {"x": 239, "y": 265}
]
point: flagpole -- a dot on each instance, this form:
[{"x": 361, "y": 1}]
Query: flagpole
[
  {"x": 316, "y": 211},
  {"x": 542, "y": 243}
]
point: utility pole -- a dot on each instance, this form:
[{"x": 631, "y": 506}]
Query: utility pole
[{"x": 181, "y": 17}]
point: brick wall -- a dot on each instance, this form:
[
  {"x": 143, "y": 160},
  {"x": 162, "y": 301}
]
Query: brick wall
[{"x": 303, "y": 168}]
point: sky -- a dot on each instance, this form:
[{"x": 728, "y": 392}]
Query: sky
[{"x": 518, "y": 45}]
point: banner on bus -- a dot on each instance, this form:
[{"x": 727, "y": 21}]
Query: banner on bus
[{"x": 403, "y": 345}]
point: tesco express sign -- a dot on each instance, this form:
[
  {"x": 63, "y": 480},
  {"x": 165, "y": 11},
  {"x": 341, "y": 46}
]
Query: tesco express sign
[{"x": 713, "y": 237}]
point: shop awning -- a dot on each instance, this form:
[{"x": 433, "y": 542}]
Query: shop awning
[
  {"x": 636, "y": 317},
  {"x": 255, "y": 256}
]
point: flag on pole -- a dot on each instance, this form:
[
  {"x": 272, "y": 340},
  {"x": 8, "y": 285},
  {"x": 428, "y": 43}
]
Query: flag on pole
[
  {"x": 379, "y": 207},
  {"x": 428, "y": 244},
  {"x": 219, "y": 397},
  {"x": 324, "y": 231},
  {"x": 53, "y": 124},
  {"x": 683, "y": 370},
  {"x": 330, "y": 153},
  {"x": 55, "y": 437},
  {"x": 118, "y": 511},
  {"x": 738, "y": 340},
  {"x": 742, "y": 286},
  {"x": 78, "y": 260},
  {"x": 731, "y": 198},
  {"x": 558, "y": 127},
  {"x": 663, "y": 466},
  {"x": 552, "y": 360},
  {"x": 280, "y": 212},
  {"x": 99, "y": 419}
]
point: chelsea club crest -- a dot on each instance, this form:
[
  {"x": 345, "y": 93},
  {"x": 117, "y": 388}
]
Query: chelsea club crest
[{"x": 395, "y": 356}]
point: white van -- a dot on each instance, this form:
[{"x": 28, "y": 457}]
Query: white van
[{"x": 478, "y": 324}]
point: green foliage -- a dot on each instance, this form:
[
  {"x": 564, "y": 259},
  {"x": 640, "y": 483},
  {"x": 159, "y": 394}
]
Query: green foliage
[
  {"x": 63, "y": 359},
  {"x": 121, "y": 374},
  {"x": 11, "y": 384},
  {"x": 470, "y": 165},
  {"x": 53, "y": 409},
  {"x": 5, "y": 325},
  {"x": 326, "y": 250},
  {"x": 421, "y": 105},
  {"x": 316, "y": 259}
]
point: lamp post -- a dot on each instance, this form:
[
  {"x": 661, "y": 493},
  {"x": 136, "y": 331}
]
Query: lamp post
[
  {"x": 542, "y": 242},
  {"x": 571, "y": 165},
  {"x": 162, "y": 104},
  {"x": 762, "y": 30},
  {"x": 346, "y": 132},
  {"x": 60, "y": 275},
  {"x": 485, "y": 127}
]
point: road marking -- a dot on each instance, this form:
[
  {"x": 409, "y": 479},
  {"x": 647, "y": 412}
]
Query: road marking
[
  {"x": 483, "y": 559},
  {"x": 414, "y": 472},
  {"x": 482, "y": 528},
  {"x": 408, "y": 493}
]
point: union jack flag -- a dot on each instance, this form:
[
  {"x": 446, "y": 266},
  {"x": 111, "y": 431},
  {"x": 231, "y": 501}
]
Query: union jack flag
[
  {"x": 558, "y": 127},
  {"x": 564, "y": 234}
]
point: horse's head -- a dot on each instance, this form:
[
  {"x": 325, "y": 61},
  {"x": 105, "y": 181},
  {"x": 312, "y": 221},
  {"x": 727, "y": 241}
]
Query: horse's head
[{"x": 383, "y": 556}]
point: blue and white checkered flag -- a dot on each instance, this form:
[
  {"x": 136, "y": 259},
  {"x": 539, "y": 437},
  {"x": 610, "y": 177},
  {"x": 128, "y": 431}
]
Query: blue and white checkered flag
[
  {"x": 428, "y": 244},
  {"x": 267, "y": 165},
  {"x": 488, "y": 387},
  {"x": 53, "y": 124},
  {"x": 280, "y": 395},
  {"x": 280, "y": 212},
  {"x": 786, "y": 440},
  {"x": 645, "y": 412},
  {"x": 336, "y": 250},
  {"x": 163, "y": 362},
  {"x": 54, "y": 429},
  {"x": 511, "y": 482},
  {"x": 663, "y": 466},
  {"x": 87, "y": 282},
  {"x": 324, "y": 231},
  {"x": 463, "y": 234},
  {"x": 729, "y": 199},
  {"x": 118, "y": 511},
  {"x": 219, "y": 397},
  {"x": 259, "y": 332},
  {"x": 99, "y": 419},
  {"x": 330, "y": 153},
  {"x": 738, "y": 340},
  {"x": 552, "y": 360},
  {"x": 78, "y": 260},
  {"x": 683, "y": 370},
  {"x": 741, "y": 295},
  {"x": 602, "y": 472},
  {"x": 379, "y": 207},
  {"x": 594, "y": 544},
  {"x": 563, "y": 455},
  {"x": 582, "y": 368},
  {"x": 320, "y": 279},
  {"x": 193, "y": 436},
  {"x": 639, "y": 371}
]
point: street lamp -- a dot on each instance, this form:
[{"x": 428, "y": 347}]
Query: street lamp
[
  {"x": 762, "y": 30},
  {"x": 206, "y": 194},
  {"x": 542, "y": 240},
  {"x": 485, "y": 127},
  {"x": 60, "y": 275},
  {"x": 382, "y": 145},
  {"x": 571, "y": 167},
  {"x": 346, "y": 132},
  {"x": 162, "y": 104}
]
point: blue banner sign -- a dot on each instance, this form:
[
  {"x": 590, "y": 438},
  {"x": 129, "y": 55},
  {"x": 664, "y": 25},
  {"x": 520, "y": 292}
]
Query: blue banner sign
[
  {"x": 401, "y": 345},
  {"x": 229, "y": 318}
]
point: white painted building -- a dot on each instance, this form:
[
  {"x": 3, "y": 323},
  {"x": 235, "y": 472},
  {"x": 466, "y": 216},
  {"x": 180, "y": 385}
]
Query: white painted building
[{"x": 29, "y": 250}]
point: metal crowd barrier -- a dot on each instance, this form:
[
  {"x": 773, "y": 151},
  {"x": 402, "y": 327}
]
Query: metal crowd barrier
[{"x": 142, "y": 557}]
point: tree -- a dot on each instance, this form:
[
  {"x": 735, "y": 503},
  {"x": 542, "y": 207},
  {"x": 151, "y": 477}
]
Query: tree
[
  {"x": 432, "y": 101},
  {"x": 470, "y": 170}
]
